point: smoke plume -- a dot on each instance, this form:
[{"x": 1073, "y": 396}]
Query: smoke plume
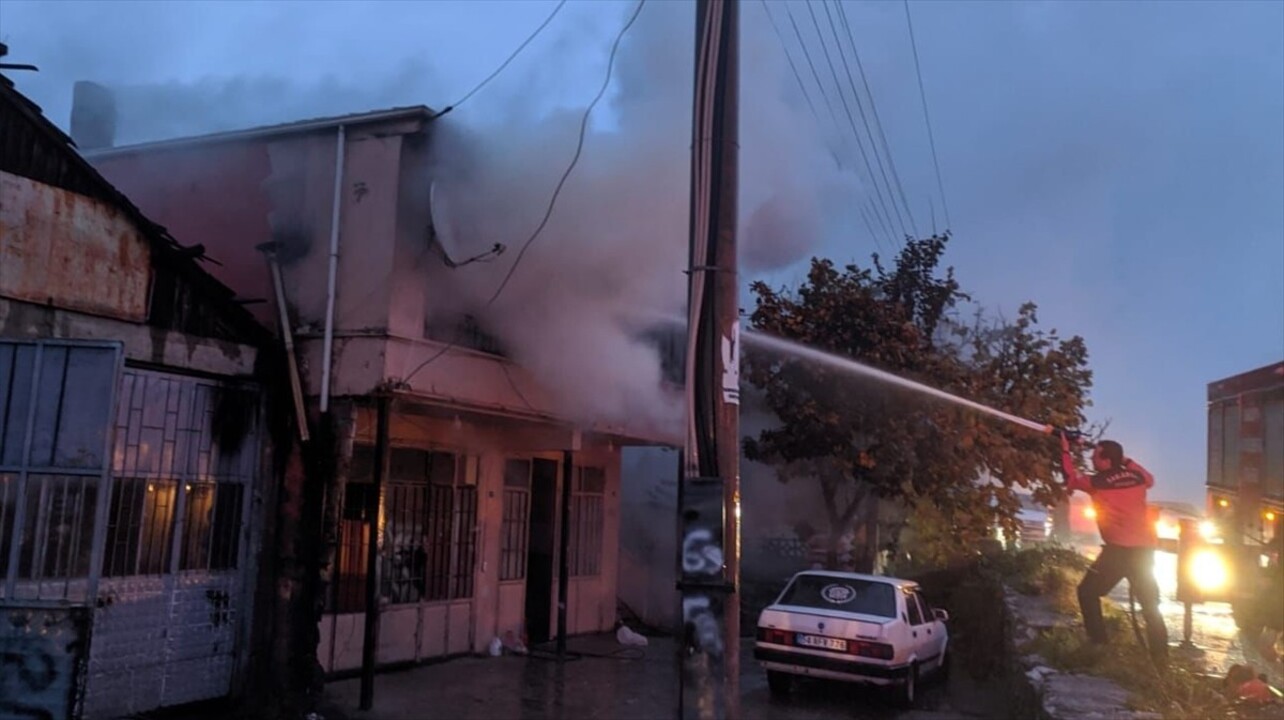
[
  {"x": 617, "y": 242},
  {"x": 616, "y": 245}
]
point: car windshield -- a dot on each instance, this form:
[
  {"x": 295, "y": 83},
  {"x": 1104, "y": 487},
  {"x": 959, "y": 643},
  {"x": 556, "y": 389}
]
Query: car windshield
[{"x": 847, "y": 594}]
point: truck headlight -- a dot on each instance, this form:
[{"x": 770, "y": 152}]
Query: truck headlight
[
  {"x": 1208, "y": 570},
  {"x": 1208, "y": 529}
]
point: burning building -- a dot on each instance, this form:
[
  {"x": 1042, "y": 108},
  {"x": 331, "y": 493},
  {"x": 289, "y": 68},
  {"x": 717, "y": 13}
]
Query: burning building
[{"x": 328, "y": 224}]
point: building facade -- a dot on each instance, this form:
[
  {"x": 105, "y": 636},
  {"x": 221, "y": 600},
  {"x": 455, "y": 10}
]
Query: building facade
[
  {"x": 332, "y": 217},
  {"x": 132, "y": 482}
]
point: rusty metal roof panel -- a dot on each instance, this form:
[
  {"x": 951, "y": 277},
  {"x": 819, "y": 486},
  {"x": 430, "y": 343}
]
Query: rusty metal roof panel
[{"x": 33, "y": 147}]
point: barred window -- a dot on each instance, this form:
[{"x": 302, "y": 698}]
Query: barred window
[
  {"x": 358, "y": 506},
  {"x": 55, "y": 410},
  {"x": 184, "y": 447},
  {"x": 429, "y": 540},
  {"x": 139, "y": 527},
  {"x": 211, "y": 531},
  {"x": 587, "y": 521},
  {"x": 517, "y": 518},
  {"x": 58, "y": 532}
]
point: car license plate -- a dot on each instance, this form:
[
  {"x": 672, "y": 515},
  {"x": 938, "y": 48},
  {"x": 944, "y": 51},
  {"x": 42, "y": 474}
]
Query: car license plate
[{"x": 824, "y": 643}]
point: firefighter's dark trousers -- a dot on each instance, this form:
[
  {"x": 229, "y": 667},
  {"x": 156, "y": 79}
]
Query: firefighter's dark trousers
[{"x": 1114, "y": 564}]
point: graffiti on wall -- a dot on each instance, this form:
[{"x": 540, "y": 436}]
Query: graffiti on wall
[{"x": 42, "y": 661}]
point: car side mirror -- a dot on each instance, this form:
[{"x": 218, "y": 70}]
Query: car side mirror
[{"x": 941, "y": 615}]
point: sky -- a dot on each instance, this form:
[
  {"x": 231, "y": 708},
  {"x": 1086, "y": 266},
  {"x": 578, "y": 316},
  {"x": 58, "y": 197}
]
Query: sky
[{"x": 1120, "y": 164}]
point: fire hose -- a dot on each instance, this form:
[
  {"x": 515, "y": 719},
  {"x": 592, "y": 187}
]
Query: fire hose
[{"x": 1132, "y": 616}]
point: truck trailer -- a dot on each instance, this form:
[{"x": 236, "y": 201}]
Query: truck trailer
[{"x": 1246, "y": 490}]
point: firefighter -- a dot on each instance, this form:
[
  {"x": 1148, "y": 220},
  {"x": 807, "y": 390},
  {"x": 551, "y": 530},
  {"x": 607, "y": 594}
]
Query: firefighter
[{"x": 1118, "y": 491}]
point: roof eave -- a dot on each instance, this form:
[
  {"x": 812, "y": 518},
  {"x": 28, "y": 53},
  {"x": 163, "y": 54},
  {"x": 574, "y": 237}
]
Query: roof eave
[{"x": 414, "y": 112}]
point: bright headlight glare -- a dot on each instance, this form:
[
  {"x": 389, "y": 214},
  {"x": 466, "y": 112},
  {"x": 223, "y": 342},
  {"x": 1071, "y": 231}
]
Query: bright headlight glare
[
  {"x": 1208, "y": 530},
  {"x": 1208, "y": 571}
]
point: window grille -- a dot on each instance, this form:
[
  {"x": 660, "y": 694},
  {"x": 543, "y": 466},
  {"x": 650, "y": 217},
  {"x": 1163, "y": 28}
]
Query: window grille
[{"x": 587, "y": 521}]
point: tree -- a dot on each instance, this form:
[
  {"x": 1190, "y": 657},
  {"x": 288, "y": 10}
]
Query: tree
[{"x": 860, "y": 439}]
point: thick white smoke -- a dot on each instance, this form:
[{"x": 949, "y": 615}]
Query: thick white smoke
[{"x": 617, "y": 243}]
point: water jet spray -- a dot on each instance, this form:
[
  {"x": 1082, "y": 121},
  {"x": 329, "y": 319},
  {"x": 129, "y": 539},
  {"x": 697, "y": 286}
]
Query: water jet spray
[{"x": 839, "y": 362}]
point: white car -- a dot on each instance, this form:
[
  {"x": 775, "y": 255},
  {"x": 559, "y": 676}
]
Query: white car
[{"x": 854, "y": 628}]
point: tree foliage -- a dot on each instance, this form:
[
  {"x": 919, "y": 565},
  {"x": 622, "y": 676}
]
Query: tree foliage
[{"x": 859, "y": 438}]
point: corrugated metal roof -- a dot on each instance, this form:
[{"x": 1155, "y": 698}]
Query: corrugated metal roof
[
  {"x": 33, "y": 147},
  {"x": 413, "y": 112}
]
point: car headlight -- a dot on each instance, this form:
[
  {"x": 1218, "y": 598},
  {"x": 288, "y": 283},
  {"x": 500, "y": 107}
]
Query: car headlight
[{"x": 1208, "y": 570}]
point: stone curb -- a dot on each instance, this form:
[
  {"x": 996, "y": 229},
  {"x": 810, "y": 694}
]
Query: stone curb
[{"x": 1045, "y": 693}]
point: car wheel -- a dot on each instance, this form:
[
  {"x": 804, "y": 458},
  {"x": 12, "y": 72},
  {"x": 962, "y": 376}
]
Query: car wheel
[
  {"x": 907, "y": 692},
  {"x": 779, "y": 683}
]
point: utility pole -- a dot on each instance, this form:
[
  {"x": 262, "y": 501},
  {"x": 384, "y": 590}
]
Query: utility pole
[{"x": 709, "y": 494}]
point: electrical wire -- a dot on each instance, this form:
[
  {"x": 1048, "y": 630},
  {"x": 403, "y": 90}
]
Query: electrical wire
[
  {"x": 868, "y": 226},
  {"x": 873, "y": 211},
  {"x": 815, "y": 75},
  {"x": 702, "y": 161},
  {"x": 821, "y": 87},
  {"x": 811, "y": 10},
  {"x": 511, "y": 57},
  {"x": 873, "y": 106},
  {"x": 927, "y": 118},
  {"x": 513, "y": 384},
  {"x": 557, "y": 191},
  {"x": 833, "y": 114},
  {"x": 579, "y": 149},
  {"x": 789, "y": 58}
]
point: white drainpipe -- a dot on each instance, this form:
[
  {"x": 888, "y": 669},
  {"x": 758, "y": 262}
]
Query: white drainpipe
[{"x": 328, "y": 347}]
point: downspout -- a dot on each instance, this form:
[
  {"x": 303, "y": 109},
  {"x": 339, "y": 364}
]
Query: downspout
[
  {"x": 287, "y": 336},
  {"x": 335, "y": 217}
]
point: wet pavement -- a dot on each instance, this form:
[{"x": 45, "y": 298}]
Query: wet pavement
[
  {"x": 1215, "y": 638},
  {"x": 1218, "y": 641},
  {"x": 609, "y": 682}
]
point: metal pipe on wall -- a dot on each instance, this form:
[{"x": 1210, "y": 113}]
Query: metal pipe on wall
[
  {"x": 287, "y": 336},
  {"x": 335, "y": 216},
  {"x": 563, "y": 561}
]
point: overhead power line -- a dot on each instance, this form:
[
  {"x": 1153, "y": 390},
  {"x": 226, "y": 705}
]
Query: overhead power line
[
  {"x": 784, "y": 46},
  {"x": 511, "y": 57},
  {"x": 873, "y": 107},
  {"x": 833, "y": 115},
  {"x": 927, "y": 118},
  {"x": 864, "y": 119},
  {"x": 557, "y": 191},
  {"x": 794, "y": 68},
  {"x": 852, "y": 123},
  {"x": 870, "y": 227}
]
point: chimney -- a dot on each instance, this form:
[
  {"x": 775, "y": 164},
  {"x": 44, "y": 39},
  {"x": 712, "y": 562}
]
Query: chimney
[{"x": 93, "y": 116}]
